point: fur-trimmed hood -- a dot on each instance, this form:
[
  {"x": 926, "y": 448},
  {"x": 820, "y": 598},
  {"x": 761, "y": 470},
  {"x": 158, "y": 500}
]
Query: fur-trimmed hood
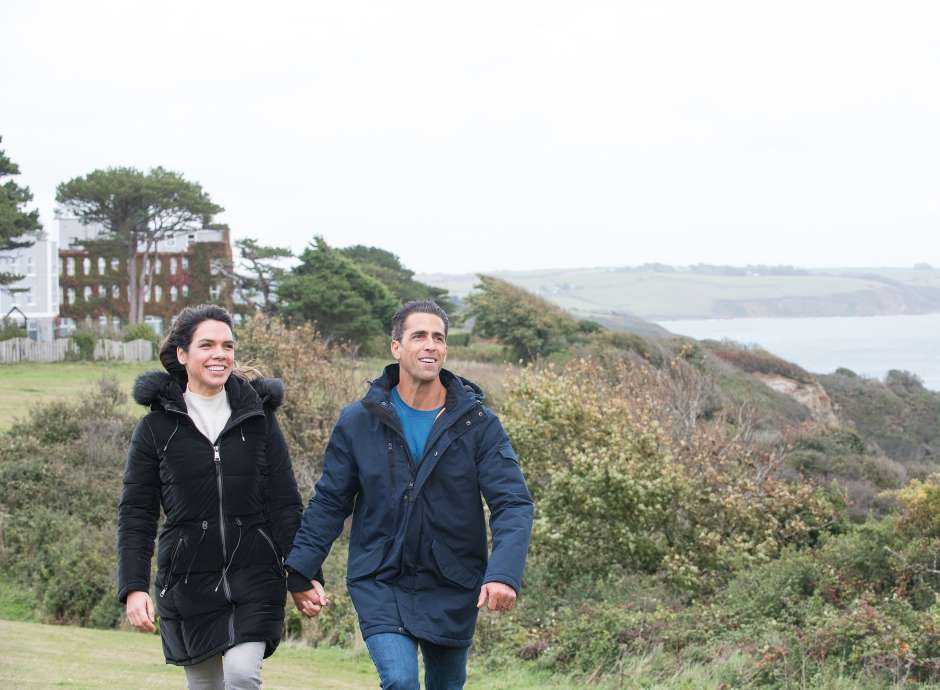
[{"x": 159, "y": 390}]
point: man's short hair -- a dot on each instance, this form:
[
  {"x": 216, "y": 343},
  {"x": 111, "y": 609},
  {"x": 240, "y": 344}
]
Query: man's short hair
[{"x": 423, "y": 306}]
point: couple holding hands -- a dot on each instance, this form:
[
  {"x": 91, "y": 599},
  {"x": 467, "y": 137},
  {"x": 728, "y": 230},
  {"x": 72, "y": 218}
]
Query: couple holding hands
[{"x": 411, "y": 462}]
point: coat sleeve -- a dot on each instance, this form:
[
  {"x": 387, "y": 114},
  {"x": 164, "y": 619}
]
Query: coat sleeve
[
  {"x": 332, "y": 502},
  {"x": 282, "y": 499},
  {"x": 138, "y": 512},
  {"x": 510, "y": 504}
]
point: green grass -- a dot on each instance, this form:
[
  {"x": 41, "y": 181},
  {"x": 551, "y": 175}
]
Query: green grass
[
  {"x": 17, "y": 603},
  {"x": 26, "y": 384},
  {"x": 50, "y": 656}
]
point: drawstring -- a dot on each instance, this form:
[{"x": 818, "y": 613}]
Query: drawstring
[
  {"x": 205, "y": 526},
  {"x": 241, "y": 428},
  {"x": 232, "y": 557},
  {"x": 177, "y": 428}
]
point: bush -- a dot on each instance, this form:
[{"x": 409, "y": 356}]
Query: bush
[
  {"x": 84, "y": 343},
  {"x": 10, "y": 329},
  {"x": 141, "y": 331},
  {"x": 318, "y": 383}
]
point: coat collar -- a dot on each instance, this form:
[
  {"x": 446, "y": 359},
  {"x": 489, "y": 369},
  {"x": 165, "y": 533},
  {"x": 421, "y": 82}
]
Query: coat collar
[
  {"x": 461, "y": 392},
  {"x": 160, "y": 391}
]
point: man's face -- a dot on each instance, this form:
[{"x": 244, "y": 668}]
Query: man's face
[{"x": 422, "y": 349}]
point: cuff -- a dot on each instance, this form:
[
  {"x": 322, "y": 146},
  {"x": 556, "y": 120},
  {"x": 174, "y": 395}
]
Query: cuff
[{"x": 298, "y": 582}]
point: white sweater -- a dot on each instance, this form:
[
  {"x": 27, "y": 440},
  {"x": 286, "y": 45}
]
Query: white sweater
[{"x": 209, "y": 413}]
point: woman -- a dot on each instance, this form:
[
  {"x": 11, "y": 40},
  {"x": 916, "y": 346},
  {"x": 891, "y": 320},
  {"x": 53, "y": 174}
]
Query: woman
[{"x": 210, "y": 452}]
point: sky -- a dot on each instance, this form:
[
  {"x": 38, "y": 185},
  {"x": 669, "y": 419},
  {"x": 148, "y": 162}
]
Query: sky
[{"x": 469, "y": 137}]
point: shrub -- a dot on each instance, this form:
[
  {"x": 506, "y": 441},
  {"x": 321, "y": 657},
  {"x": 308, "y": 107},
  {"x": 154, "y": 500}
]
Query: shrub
[
  {"x": 318, "y": 382},
  {"x": 140, "y": 331},
  {"x": 84, "y": 343}
]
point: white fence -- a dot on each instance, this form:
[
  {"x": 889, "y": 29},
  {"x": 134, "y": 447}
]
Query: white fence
[{"x": 61, "y": 349}]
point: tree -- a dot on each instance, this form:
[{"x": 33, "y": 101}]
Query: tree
[
  {"x": 19, "y": 228},
  {"x": 387, "y": 268},
  {"x": 526, "y": 324},
  {"x": 263, "y": 273},
  {"x": 332, "y": 290},
  {"x": 136, "y": 211}
]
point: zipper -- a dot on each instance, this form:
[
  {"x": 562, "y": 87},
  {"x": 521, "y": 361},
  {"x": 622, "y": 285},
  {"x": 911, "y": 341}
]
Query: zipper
[
  {"x": 217, "y": 460},
  {"x": 277, "y": 556},
  {"x": 169, "y": 571}
]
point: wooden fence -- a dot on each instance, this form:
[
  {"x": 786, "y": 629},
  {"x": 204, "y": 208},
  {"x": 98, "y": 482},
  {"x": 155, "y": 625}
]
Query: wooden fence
[{"x": 61, "y": 349}]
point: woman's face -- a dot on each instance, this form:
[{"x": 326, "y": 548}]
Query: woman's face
[{"x": 210, "y": 357}]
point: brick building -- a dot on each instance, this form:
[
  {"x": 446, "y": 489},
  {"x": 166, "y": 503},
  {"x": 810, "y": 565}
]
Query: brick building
[{"x": 187, "y": 269}]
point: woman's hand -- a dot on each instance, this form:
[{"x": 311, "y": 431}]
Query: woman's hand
[{"x": 140, "y": 611}]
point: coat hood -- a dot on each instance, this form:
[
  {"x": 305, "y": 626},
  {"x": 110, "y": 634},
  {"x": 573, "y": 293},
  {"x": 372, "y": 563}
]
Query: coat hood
[{"x": 157, "y": 390}]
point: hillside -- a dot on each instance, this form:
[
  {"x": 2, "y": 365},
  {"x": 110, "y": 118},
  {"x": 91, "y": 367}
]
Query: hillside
[{"x": 661, "y": 293}]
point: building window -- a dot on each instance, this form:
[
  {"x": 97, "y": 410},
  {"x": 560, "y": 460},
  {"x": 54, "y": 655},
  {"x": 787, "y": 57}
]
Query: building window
[
  {"x": 102, "y": 321},
  {"x": 185, "y": 291},
  {"x": 172, "y": 265},
  {"x": 70, "y": 266},
  {"x": 30, "y": 298},
  {"x": 87, "y": 292},
  {"x": 174, "y": 293},
  {"x": 214, "y": 292},
  {"x": 147, "y": 294},
  {"x": 101, "y": 266},
  {"x": 71, "y": 296},
  {"x": 61, "y": 266},
  {"x": 86, "y": 266},
  {"x": 116, "y": 323},
  {"x": 115, "y": 292},
  {"x": 157, "y": 265},
  {"x": 185, "y": 262},
  {"x": 61, "y": 295},
  {"x": 115, "y": 264},
  {"x": 30, "y": 268},
  {"x": 157, "y": 293},
  {"x": 102, "y": 291},
  {"x": 171, "y": 241}
]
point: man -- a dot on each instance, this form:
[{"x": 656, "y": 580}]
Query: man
[{"x": 409, "y": 461}]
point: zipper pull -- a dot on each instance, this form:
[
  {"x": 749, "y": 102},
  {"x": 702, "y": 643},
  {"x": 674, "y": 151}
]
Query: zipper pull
[
  {"x": 216, "y": 459},
  {"x": 163, "y": 592}
]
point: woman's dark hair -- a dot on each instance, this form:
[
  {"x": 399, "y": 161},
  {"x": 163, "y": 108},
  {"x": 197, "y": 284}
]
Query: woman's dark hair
[{"x": 181, "y": 335}]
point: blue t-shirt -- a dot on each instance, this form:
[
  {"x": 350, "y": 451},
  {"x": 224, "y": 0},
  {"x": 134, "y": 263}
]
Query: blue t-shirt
[{"x": 415, "y": 424}]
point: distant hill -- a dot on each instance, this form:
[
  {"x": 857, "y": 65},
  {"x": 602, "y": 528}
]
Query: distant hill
[{"x": 656, "y": 292}]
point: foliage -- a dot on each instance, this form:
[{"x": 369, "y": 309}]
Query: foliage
[
  {"x": 757, "y": 360},
  {"x": 140, "y": 331},
  {"x": 83, "y": 344},
  {"x": 615, "y": 491},
  {"x": 331, "y": 290},
  {"x": 387, "y": 269},
  {"x": 18, "y": 227},
  {"x": 317, "y": 385},
  {"x": 137, "y": 209},
  {"x": 11, "y": 329},
  {"x": 60, "y": 474},
  {"x": 262, "y": 271},
  {"x": 527, "y": 325},
  {"x": 899, "y": 415}
]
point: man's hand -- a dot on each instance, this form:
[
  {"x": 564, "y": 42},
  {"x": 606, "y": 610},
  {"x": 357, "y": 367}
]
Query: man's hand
[
  {"x": 497, "y": 597},
  {"x": 310, "y": 602},
  {"x": 139, "y": 610}
]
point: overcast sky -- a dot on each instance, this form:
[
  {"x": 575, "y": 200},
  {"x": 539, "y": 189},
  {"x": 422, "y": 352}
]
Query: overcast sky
[{"x": 504, "y": 135}]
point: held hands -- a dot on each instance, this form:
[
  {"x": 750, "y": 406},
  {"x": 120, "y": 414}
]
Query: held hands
[
  {"x": 139, "y": 611},
  {"x": 497, "y": 597},
  {"x": 310, "y": 602}
]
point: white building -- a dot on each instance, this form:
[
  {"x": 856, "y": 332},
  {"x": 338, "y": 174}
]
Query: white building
[{"x": 36, "y": 294}]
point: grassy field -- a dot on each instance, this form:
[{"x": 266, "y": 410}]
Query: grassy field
[
  {"x": 49, "y": 656},
  {"x": 684, "y": 294},
  {"x": 25, "y": 384}
]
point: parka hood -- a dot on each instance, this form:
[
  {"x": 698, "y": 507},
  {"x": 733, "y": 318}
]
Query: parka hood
[{"x": 157, "y": 389}]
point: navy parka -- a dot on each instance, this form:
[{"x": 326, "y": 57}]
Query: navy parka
[{"x": 418, "y": 546}]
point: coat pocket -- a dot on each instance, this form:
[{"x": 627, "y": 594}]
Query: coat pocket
[
  {"x": 451, "y": 567},
  {"x": 274, "y": 552}
]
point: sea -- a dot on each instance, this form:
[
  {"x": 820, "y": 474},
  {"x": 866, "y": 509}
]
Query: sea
[{"x": 868, "y": 345}]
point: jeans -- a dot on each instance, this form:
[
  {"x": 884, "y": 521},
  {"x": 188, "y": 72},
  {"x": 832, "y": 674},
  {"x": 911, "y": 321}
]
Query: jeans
[
  {"x": 238, "y": 669},
  {"x": 396, "y": 659}
]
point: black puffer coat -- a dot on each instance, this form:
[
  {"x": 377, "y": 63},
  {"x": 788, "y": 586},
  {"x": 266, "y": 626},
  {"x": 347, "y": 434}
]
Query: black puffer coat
[{"x": 231, "y": 512}]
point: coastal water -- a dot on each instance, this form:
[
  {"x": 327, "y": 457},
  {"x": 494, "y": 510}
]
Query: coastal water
[{"x": 868, "y": 345}]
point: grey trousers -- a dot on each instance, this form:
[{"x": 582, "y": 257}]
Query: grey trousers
[{"x": 238, "y": 669}]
